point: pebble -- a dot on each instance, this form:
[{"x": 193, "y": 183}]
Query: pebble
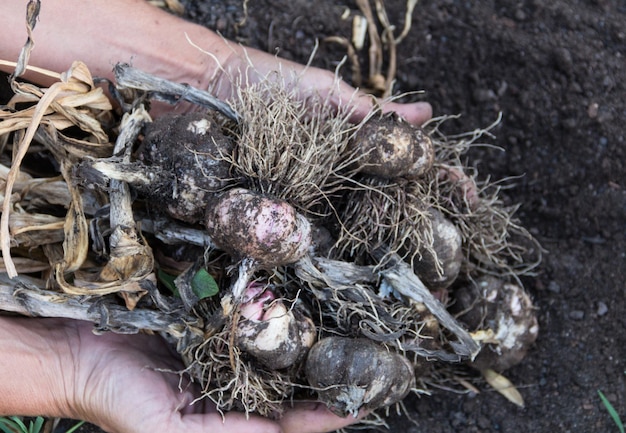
[
  {"x": 221, "y": 24},
  {"x": 484, "y": 95},
  {"x": 602, "y": 309},
  {"x": 592, "y": 110},
  {"x": 554, "y": 287},
  {"x": 577, "y": 315}
]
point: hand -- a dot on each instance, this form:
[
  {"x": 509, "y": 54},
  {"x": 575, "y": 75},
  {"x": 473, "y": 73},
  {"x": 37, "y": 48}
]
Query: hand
[
  {"x": 122, "y": 384},
  {"x": 248, "y": 66},
  {"x": 159, "y": 43}
]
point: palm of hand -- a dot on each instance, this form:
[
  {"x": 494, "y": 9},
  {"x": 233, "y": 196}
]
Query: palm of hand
[{"x": 128, "y": 384}]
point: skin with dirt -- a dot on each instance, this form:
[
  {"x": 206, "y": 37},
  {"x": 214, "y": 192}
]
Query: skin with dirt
[{"x": 555, "y": 70}]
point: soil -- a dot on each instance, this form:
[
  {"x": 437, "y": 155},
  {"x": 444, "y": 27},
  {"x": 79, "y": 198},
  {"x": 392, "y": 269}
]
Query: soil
[{"x": 556, "y": 70}]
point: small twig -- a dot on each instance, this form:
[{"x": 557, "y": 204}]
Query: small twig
[
  {"x": 231, "y": 339},
  {"x": 119, "y": 192},
  {"x": 391, "y": 47},
  {"x": 102, "y": 171},
  {"x": 168, "y": 91},
  {"x": 376, "y": 48},
  {"x": 171, "y": 233},
  {"x": 402, "y": 278},
  {"x": 357, "y": 79},
  {"x": 337, "y": 274},
  {"x": 23, "y": 296},
  {"x": 408, "y": 19},
  {"x": 41, "y": 71},
  {"x": 32, "y": 13},
  {"x": 246, "y": 269}
]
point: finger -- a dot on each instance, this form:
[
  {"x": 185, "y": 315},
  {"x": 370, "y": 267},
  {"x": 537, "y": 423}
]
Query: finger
[
  {"x": 362, "y": 103},
  {"x": 231, "y": 422},
  {"x": 415, "y": 113},
  {"x": 314, "y": 418}
]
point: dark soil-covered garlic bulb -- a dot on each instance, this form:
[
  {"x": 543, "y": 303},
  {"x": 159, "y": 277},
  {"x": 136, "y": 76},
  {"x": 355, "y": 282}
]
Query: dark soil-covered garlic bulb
[
  {"x": 505, "y": 314},
  {"x": 252, "y": 225},
  {"x": 439, "y": 270},
  {"x": 350, "y": 374},
  {"x": 275, "y": 335},
  {"x": 191, "y": 149},
  {"x": 391, "y": 147}
]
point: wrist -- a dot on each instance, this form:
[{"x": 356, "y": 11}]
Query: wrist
[{"x": 131, "y": 31}]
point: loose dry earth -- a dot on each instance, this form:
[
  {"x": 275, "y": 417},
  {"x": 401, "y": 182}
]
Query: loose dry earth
[{"x": 556, "y": 70}]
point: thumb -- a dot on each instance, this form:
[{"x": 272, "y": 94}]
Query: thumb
[
  {"x": 314, "y": 418},
  {"x": 415, "y": 113},
  {"x": 230, "y": 422}
]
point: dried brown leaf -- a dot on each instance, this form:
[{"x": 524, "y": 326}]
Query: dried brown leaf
[
  {"x": 503, "y": 386},
  {"x": 32, "y": 13},
  {"x": 99, "y": 288},
  {"x": 22, "y": 148},
  {"x": 41, "y": 71},
  {"x": 27, "y": 222},
  {"x": 76, "y": 242},
  {"x": 130, "y": 257},
  {"x": 21, "y": 120},
  {"x": 26, "y": 266}
]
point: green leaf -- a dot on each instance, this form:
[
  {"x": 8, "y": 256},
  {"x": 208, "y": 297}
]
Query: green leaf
[
  {"x": 7, "y": 426},
  {"x": 35, "y": 427},
  {"x": 204, "y": 285},
  {"x": 168, "y": 281},
  {"x": 18, "y": 422},
  {"x": 612, "y": 411},
  {"x": 75, "y": 427}
]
